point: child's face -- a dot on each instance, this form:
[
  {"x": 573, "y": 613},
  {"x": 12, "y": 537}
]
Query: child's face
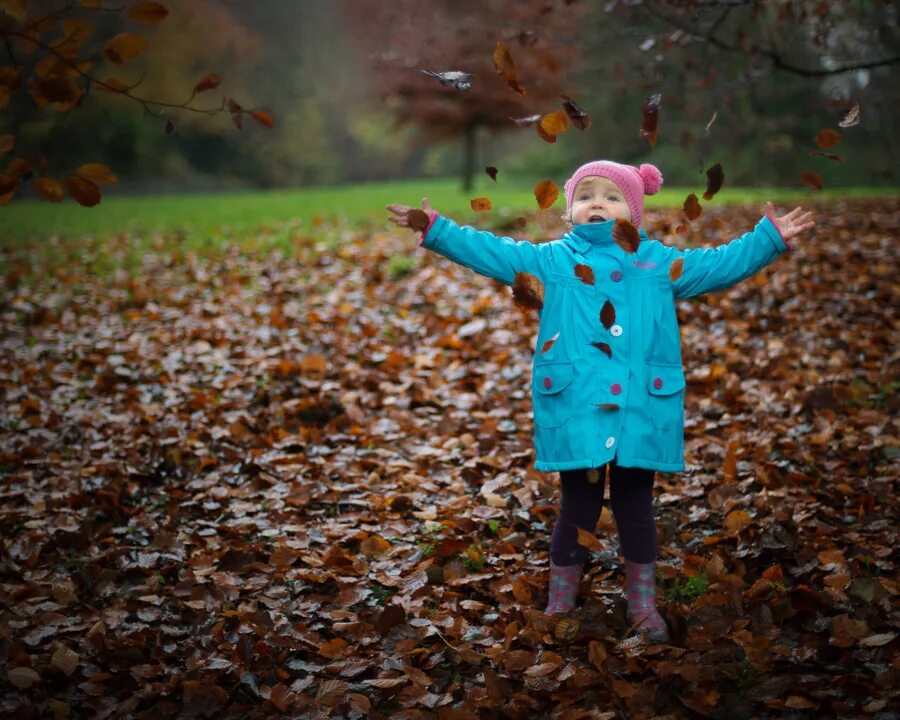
[{"x": 597, "y": 199}]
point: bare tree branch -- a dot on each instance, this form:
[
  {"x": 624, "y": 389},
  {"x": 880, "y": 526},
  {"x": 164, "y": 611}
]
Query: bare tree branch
[{"x": 778, "y": 60}]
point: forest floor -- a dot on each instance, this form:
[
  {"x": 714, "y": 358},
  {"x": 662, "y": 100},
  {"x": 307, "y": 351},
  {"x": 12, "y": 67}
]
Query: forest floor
[{"x": 299, "y": 483}]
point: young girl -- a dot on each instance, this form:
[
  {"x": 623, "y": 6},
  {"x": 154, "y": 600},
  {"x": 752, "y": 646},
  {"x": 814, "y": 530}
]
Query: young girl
[{"x": 607, "y": 380}]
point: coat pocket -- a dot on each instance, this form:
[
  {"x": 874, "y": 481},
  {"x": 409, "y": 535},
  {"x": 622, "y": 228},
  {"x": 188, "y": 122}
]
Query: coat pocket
[
  {"x": 552, "y": 406},
  {"x": 665, "y": 385}
]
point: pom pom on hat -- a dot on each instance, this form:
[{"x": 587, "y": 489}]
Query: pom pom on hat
[
  {"x": 652, "y": 178},
  {"x": 634, "y": 183}
]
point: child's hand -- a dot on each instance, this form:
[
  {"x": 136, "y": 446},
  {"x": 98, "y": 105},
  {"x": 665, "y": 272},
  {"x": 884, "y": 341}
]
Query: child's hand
[
  {"x": 793, "y": 223},
  {"x": 405, "y": 216}
]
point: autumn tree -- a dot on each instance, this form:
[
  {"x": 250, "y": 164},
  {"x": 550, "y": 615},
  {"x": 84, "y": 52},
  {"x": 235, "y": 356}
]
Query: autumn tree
[
  {"x": 463, "y": 36},
  {"x": 61, "y": 54}
]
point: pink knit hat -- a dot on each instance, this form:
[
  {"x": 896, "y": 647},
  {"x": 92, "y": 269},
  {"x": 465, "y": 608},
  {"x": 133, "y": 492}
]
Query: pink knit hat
[{"x": 634, "y": 183}]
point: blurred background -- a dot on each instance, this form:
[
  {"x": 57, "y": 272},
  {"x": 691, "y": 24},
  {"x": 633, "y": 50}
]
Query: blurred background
[{"x": 747, "y": 84}]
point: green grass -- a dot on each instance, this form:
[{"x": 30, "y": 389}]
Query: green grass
[{"x": 203, "y": 218}]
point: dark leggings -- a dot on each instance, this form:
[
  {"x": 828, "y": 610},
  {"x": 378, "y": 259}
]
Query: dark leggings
[{"x": 631, "y": 497}]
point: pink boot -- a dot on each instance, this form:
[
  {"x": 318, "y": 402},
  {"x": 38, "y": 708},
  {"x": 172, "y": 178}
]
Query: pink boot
[
  {"x": 564, "y": 581},
  {"x": 640, "y": 589}
]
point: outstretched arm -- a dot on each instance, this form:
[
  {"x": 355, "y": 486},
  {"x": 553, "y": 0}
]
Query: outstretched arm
[
  {"x": 712, "y": 269},
  {"x": 500, "y": 258}
]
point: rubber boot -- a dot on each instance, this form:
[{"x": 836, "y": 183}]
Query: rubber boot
[
  {"x": 640, "y": 589},
  {"x": 564, "y": 581}
]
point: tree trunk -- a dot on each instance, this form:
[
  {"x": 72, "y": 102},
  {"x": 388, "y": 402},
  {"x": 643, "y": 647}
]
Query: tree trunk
[{"x": 468, "y": 169}]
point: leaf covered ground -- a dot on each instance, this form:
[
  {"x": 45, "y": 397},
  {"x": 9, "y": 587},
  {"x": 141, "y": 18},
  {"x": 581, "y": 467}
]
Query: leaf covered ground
[{"x": 246, "y": 487}]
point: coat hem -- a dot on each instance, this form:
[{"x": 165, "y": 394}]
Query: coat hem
[{"x": 550, "y": 466}]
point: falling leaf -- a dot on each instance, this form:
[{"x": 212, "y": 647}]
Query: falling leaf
[
  {"x": 48, "y": 188},
  {"x": 811, "y": 179},
  {"x": 83, "y": 191},
  {"x": 675, "y": 269},
  {"x": 554, "y": 123},
  {"x": 97, "y": 173},
  {"x": 711, "y": 121},
  {"x": 607, "y": 315},
  {"x": 208, "y": 82},
  {"x": 503, "y": 63},
  {"x": 148, "y": 12},
  {"x": 124, "y": 46},
  {"x": 452, "y": 79},
  {"x": 491, "y": 172},
  {"x": 692, "y": 207},
  {"x": 170, "y": 127},
  {"x": 585, "y": 273},
  {"x": 830, "y": 156},
  {"x": 715, "y": 177},
  {"x": 828, "y": 137},
  {"x": 480, "y": 204},
  {"x": 528, "y": 291},
  {"x": 650, "y": 124},
  {"x": 546, "y": 192},
  {"x": 626, "y": 235},
  {"x": 544, "y": 135},
  {"x": 577, "y": 115},
  {"x": 527, "y": 121},
  {"x": 549, "y": 343},
  {"x": 851, "y": 118},
  {"x": 263, "y": 118},
  {"x": 604, "y": 348},
  {"x": 418, "y": 220}
]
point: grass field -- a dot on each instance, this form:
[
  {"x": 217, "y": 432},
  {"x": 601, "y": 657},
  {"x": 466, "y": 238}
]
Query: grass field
[{"x": 204, "y": 219}]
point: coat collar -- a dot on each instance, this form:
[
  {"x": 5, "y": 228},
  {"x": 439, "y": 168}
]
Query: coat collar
[{"x": 581, "y": 238}]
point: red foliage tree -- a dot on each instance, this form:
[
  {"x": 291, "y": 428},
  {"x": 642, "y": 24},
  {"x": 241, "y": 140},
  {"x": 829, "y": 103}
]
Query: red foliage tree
[{"x": 463, "y": 36}]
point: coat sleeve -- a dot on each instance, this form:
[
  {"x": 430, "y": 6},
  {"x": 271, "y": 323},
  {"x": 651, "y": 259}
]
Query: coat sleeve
[
  {"x": 499, "y": 258},
  {"x": 711, "y": 269}
]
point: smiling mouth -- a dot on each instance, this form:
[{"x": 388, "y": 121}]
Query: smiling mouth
[{"x": 596, "y": 218}]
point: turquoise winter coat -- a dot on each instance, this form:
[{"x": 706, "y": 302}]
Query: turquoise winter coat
[{"x": 612, "y": 384}]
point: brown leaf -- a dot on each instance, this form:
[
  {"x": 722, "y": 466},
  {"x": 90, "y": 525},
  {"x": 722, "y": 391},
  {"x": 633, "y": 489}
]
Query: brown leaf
[
  {"x": 576, "y": 113},
  {"x": 675, "y": 269},
  {"x": 7, "y": 143},
  {"x": 828, "y": 137},
  {"x": 208, "y": 82},
  {"x": 124, "y": 46},
  {"x": 148, "y": 12},
  {"x": 607, "y": 315},
  {"x": 389, "y": 618},
  {"x": 201, "y": 698},
  {"x": 549, "y": 343},
  {"x": 585, "y": 273},
  {"x": 650, "y": 124},
  {"x": 491, "y": 172},
  {"x": 22, "y": 677},
  {"x": 97, "y": 173},
  {"x": 692, "y": 207},
  {"x": 418, "y": 220},
  {"x": 546, "y": 192},
  {"x": 626, "y": 235},
  {"x": 48, "y": 188},
  {"x": 503, "y": 63},
  {"x": 730, "y": 462},
  {"x": 589, "y": 540},
  {"x": 374, "y": 546},
  {"x": 830, "y": 156},
  {"x": 528, "y": 291},
  {"x": 480, "y": 204},
  {"x": 544, "y": 135},
  {"x": 554, "y": 123},
  {"x": 737, "y": 520},
  {"x": 65, "y": 660},
  {"x": 263, "y": 118},
  {"x": 811, "y": 179},
  {"x": 567, "y": 629},
  {"x": 682, "y": 229},
  {"x": 597, "y": 654},
  {"x": 604, "y": 348},
  {"x": 715, "y": 176},
  {"x": 83, "y": 191}
]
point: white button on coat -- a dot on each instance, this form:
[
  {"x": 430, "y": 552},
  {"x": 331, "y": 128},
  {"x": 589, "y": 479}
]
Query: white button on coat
[
  {"x": 616, "y": 330},
  {"x": 610, "y": 441}
]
